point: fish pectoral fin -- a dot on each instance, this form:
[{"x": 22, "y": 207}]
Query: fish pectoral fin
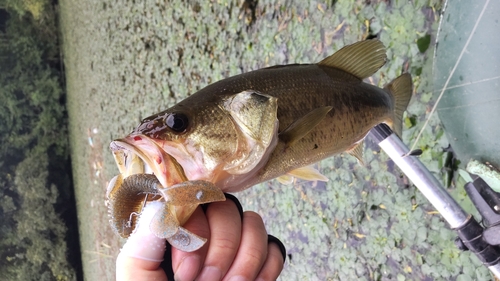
[
  {"x": 304, "y": 125},
  {"x": 186, "y": 241},
  {"x": 361, "y": 59},
  {"x": 285, "y": 179},
  {"x": 308, "y": 173},
  {"x": 192, "y": 193},
  {"x": 357, "y": 151},
  {"x": 401, "y": 90}
]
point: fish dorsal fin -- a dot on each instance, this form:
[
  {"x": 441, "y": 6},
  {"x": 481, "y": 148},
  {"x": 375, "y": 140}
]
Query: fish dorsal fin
[
  {"x": 361, "y": 59},
  {"x": 304, "y": 125},
  {"x": 255, "y": 115},
  {"x": 357, "y": 151}
]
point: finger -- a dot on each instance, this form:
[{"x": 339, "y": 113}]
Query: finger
[
  {"x": 187, "y": 265},
  {"x": 225, "y": 233},
  {"x": 252, "y": 251},
  {"x": 140, "y": 257},
  {"x": 273, "y": 265},
  {"x": 130, "y": 268}
]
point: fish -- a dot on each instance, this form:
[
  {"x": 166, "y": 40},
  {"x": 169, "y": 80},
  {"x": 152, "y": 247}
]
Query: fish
[{"x": 274, "y": 122}]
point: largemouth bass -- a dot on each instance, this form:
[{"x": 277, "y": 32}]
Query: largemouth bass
[{"x": 268, "y": 123}]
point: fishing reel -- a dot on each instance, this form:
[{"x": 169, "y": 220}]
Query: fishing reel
[{"x": 483, "y": 240}]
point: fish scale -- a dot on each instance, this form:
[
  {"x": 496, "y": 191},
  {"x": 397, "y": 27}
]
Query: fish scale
[{"x": 357, "y": 107}]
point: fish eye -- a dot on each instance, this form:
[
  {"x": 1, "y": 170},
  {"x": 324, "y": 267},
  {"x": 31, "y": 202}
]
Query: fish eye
[{"x": 177, "y": 122}]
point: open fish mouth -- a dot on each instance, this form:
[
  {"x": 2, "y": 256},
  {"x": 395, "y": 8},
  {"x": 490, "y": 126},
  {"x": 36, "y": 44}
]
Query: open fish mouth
[
  {"x": 147, "y": 173},
  {"x": 138, "y": 154}
]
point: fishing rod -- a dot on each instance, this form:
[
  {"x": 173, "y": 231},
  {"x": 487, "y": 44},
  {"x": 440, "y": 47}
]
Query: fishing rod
[{"x": 482, "y": 241}]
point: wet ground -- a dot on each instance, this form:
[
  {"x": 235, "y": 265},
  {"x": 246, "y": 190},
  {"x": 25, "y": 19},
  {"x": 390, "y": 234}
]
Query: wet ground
[{"x": 126, "y": 60}]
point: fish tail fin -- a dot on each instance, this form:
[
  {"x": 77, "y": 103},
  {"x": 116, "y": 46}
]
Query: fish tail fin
[{"x": 401, "y": 90}]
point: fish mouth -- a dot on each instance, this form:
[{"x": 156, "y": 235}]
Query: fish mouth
[
  {"x": 144, "y": 169},
  {"x": 147, "y": 174},
  {"x": 139, "y": 154}
]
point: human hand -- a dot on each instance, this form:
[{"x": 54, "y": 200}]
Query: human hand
[{"x": 237, "y": 246}]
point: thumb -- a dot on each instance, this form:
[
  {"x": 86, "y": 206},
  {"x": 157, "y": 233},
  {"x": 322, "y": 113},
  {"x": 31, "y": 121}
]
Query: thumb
[{"x": 140, "y": 257}]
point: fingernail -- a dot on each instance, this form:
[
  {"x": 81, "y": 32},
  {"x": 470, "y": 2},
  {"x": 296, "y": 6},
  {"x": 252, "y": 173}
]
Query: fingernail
[
  {"x": 210, "y": 273},
  {"x": 188, "y": 269},
  {"x": 238, "y": 278}
]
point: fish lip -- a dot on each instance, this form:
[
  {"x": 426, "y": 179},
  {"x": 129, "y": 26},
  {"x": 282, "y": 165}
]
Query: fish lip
[
  {"x": 154, "y": 159},
  {"x": 138, "y": 154}
]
